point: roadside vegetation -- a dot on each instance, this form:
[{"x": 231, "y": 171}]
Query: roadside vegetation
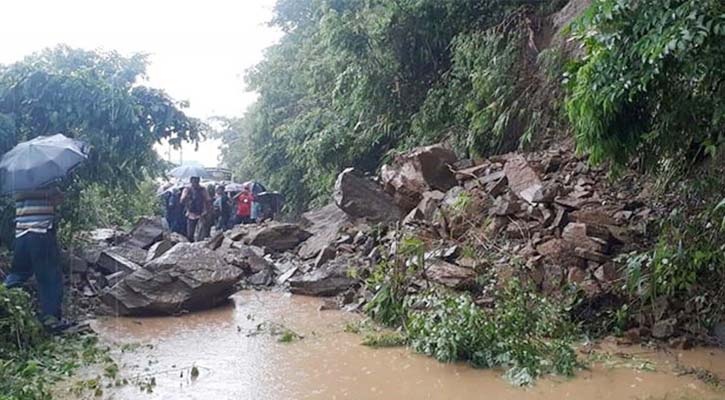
[
  {"x": 649, "y": 94},
  {"x": 32, "y": 361},
  {"x": 98, "y": 97},
  {"x": 352, "y": 83},
  {"x": 639, "y": 85},
  {"x": 523, "y": 332}
]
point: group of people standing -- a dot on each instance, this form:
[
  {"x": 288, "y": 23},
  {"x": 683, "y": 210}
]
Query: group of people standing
[{"x": 194, "y": 210}]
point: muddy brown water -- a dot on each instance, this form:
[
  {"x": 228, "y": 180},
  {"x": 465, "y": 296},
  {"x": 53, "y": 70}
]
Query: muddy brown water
[{"x": 235, "y": 360}]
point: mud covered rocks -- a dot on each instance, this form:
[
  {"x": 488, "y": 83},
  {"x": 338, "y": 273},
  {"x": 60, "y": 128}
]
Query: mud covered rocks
[
  {"x": 277, "y": 236},
  {"x": 362, "y": 198},
  {"x": 187, "y": 277},
  {"x": 329, "y": 280},
  {"x": 420, "y": 170}
]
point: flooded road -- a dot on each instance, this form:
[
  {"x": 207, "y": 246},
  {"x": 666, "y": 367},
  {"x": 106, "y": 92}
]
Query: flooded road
[{"x": 238, "y": 357}]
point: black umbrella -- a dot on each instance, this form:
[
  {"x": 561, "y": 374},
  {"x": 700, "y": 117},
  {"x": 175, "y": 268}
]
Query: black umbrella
[{"x": 39, "y": 162}]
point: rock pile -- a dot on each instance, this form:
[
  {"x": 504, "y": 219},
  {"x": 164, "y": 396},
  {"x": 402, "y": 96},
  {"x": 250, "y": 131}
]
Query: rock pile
[{"x": 546, "y": 217}]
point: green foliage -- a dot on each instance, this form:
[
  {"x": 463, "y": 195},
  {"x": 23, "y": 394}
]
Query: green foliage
[
  {"x": 525, "y": 333},
  {"x": 98, "y": 97},
  {"x": 19, "y": 329},
  {"x": 97, "y": 205},
  {"x": 479, "y": 103},
  {"x": 684, "y": 269},
  {"x": 348, "y": 79},
  {"x": 385, "y": 339},
  {"x": 30, "y": 360},
  {"x": 651, "y": 83},
  {"x": 390, "y": 281}
]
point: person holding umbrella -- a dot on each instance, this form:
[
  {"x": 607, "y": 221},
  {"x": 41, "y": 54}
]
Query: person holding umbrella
[
  {"x": 197, "y": 201},
  {"x": 28, "y": 171}
]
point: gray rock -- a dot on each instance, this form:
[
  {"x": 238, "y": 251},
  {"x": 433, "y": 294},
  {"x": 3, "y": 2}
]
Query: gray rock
[
  {"x": 255, "y": 261},
  {"x": 114, "y": 278},
  {"x": 112, "y": 261},
  {"x": 522, "y": 179},
  {"x": 187, "y": 277},
  {"x": 277, "y": 236},
  {"x": 73, "y": 263},
  {"x": 134, "y": 254},
  {"x": 148, "y": 230},
  {"x": 326, "y": 254},
  {"x": 264, "y": 277},
  {"x": 413, "y": 216},
  {"x": 361, "y": 198},
  {"x": 158, "y": 249},
  {"x": 102, "y": 235},
  {"x": 287, "y": 275},
  {"x": 420, "y": 170},
  {"x": 430, "y": 202},
  {"x": 664, "y": 328},
  {"x": 450, "y": 275},
  {"x": 329, "y": 280},
  {"x": 281, "y": 267},
  {"x": 216, "y": 241},
  {"x": 174, "y": 237}
]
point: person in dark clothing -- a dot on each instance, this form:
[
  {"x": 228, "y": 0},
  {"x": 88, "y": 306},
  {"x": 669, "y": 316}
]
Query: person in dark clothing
[
  {"x": 175, "y": 212},
  {"x": 207, "y": 220},
  {"x": 197, "y": 202},
  {"x": 222, "y": 208},
  {"x": 36, "y": 252}
]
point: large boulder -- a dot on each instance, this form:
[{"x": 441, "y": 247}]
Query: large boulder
[
  {"x": 325, "y": 225},
  {"x": 330, "y": 280},
  {"x": 187, "y": 277},
  {"x": 522, "y": 179},
  {"x": 420, "y": 170},
  {"x": 121, "y": 258},
  {"x": 450, "y": 275},
  {"x": 362, "y": 198},
  {"x": 158, "y": 249},
  {"x": 148, "y": 230},
  {"x": 277, "y": 236}
]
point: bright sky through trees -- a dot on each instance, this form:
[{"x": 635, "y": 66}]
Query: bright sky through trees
[{"x": 199, "y": 49}]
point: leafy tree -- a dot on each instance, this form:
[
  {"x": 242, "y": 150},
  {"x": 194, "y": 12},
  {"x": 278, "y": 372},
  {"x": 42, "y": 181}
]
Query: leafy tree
[
  {"x": 341, "y": 87},
  {"x": 652, "y": 82},
  {"x": 97, "y": 97}
]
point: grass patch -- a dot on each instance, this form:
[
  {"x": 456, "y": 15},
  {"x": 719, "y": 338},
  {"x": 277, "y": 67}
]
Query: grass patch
[
  {"x": 32, "y": 362},
  {"x": 385, "y": 339}
]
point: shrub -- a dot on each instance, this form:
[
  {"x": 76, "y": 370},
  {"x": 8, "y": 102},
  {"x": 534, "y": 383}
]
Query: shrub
[
  {"x": 684, "y": 270},
  {"x": 525, "y": 333},
  {"x": 32, "y": 361},
  {"x": 650, "y": 85}
]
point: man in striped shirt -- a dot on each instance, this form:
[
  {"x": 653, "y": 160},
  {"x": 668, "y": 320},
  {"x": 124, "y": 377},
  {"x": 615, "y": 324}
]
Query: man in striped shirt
[{"x": 35, "y": 250}]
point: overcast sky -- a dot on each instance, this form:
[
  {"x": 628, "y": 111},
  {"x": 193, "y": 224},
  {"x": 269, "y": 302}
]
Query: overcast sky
[{"x": 199, "y": 48}]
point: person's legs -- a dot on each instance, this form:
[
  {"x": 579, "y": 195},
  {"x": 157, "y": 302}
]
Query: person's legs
[
  {"x": 22, "y": 268},
  {"x": 180, "y": 226},
  {"x": 48, "y": 272},
  {"x": 191, "y": 228}
]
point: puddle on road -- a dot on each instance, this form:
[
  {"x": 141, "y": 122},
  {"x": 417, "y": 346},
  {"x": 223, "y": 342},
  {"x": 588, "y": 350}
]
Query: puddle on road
[{"x": 331, "y": 364}]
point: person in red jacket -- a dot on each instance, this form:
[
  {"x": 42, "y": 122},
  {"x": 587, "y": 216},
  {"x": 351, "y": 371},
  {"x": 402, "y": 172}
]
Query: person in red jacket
[{"x": 244, "y": 207}]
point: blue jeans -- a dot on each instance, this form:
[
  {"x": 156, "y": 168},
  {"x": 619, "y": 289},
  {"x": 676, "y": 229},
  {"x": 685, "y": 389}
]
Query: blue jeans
[{"x": 37, "y": 254}]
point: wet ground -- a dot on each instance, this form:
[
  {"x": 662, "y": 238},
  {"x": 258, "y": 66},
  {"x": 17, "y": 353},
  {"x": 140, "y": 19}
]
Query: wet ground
[{"x": 238, "y": 355}]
